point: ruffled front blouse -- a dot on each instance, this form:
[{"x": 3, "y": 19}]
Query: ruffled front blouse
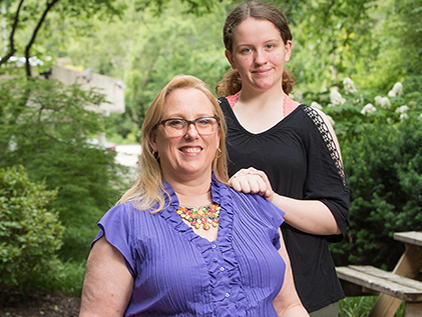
[{"x": 178, "y": 273}]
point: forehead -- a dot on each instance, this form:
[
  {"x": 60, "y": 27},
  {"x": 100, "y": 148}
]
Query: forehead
[
  {"x": 254, "y": 29},
  {"x": 187, "y": 102}
]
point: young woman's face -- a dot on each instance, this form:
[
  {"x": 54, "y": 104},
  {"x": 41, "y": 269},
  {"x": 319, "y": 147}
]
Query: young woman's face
[
  {"x": 259, "y": 54},
  {"x": 186, "y": 154}
]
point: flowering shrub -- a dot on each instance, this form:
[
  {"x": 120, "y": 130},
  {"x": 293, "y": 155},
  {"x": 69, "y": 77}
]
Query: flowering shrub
[
  {"x": 380, "y": 138},
  {"x": 351, "y": 109}
]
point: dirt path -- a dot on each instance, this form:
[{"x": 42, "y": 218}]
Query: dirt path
[{"x": 14, "y": 304}]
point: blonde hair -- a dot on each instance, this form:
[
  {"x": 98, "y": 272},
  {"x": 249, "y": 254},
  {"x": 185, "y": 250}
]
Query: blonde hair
[
  {"x": 147, "y": 192},
  {"x": 231, "y": 82}
]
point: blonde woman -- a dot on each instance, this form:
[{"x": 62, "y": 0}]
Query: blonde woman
[{"x": 181, "y": 242}]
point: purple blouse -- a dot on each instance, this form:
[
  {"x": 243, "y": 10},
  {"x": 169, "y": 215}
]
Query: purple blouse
[{"x": 178, "y": 273}]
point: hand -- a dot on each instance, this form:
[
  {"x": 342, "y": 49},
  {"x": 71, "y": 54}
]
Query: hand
[{"x": 253, "y": 181}]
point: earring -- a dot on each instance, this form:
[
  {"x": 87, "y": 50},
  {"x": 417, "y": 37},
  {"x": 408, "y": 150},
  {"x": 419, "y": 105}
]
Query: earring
[
  {"x": 156, "y": 155},
  {"x": 218, "y": 153}
]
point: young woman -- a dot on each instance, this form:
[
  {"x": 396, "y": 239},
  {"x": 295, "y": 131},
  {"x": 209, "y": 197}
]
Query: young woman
[{"x": 275, "y": 143}]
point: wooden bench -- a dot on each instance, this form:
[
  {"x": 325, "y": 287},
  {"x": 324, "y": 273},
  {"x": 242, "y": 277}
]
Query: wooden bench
[{"x": 369, "y": 280}]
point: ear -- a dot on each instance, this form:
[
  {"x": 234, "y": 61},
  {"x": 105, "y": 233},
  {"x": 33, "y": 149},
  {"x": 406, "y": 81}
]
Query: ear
[
  {"x": 152, "y": 141},
  {"x": 229, "y": 57},
  {"x": 288, "y": 47}
]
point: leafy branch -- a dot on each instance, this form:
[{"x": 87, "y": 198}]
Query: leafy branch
[
  {"x": 34, "y": 36},
  {"x": 12, "y": 35}
]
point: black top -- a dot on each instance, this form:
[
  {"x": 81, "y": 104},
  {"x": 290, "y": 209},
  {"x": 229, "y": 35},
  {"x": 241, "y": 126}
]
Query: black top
[{"x": 301, "y": 160}]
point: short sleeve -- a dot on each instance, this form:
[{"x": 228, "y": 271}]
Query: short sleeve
[
  {"x": 274, "y": 215},
  {"x": 326, "y": 178},
  {"x": 115, "y": 226}
]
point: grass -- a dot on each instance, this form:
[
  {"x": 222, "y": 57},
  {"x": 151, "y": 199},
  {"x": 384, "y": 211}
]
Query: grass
[{"x": 360, "y": 306}]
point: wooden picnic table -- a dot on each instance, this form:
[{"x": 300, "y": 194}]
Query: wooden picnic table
[
  {"x": 409, "y": 266},
  {"x": 393, "y": 287}
]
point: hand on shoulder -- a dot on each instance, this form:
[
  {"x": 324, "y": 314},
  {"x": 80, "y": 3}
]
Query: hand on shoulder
[{"x": 251, "y": 180}]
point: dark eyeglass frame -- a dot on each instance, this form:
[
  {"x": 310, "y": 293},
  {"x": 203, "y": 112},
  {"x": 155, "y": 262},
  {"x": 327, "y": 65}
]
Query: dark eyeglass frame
[{"x": 189, "y": 122}]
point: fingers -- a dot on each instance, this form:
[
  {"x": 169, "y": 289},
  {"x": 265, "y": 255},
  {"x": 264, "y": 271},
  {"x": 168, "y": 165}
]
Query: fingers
[{"x": 252, "y": 181}]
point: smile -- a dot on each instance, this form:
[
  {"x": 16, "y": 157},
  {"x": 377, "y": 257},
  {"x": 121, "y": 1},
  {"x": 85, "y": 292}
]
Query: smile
[
  {"x": 261, "y": 71},
  {"x": 191, "y": 150}
]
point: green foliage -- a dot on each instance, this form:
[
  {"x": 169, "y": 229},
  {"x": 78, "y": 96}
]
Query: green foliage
[
  {"x": 381, "y": 151},
  {"x": 67, "y": 279},
  {"x": 385, "y": 168},
  {"x": 151, "y": 50},
  {"x": 356, "y": 306},
  {"x": 360, "y": 306},
  {"x": 30, "y": 234},
  {"x": 44, "y": 126}
]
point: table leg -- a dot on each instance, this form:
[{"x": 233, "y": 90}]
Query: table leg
[
  {"x": 409, "y": 266},
  {"x": 412, "y": 309}
]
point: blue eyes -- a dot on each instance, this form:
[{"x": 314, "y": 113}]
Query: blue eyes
[{"x": 248, "y": 50}]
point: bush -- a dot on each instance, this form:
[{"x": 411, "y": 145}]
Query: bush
[
  {"x": 385, "y": 177},
  {"x": 380, "y": 140},
  {"x": 30, "y": 234},
  {"x": 44, "y": 126}
]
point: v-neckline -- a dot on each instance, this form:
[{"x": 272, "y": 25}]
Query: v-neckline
[{"x": 225, "y": 221}]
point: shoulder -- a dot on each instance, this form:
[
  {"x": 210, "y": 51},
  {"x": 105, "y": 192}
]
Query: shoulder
[
  {"x": 124, "y": 213},
  {"x": 255, "y": 205}
]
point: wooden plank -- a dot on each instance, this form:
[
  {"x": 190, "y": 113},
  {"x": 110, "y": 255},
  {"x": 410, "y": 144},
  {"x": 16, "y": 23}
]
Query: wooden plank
[
  {"x": 411, "y": 237},
  {"x": 388, "y": 276},
  {"x": 409, "y": 265},
  {"x": 380, "y": 284},
  {"x": 351, "y": 289}
]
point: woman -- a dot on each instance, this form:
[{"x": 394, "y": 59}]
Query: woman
[
  {"x": 274, "y": 142},
  {"x": 181, "y": 242}
]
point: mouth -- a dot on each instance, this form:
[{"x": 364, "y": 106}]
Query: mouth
[
  {"x": 193, "y": 150},
  {"x": 261, "y": 71}
]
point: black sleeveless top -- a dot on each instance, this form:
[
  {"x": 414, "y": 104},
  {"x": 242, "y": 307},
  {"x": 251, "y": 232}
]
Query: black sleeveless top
[{"x": 301, "y": 160}]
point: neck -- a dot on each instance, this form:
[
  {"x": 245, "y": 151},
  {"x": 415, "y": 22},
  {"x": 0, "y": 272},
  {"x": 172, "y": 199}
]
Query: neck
[
  {"x": 262, "y": 99},
  {"x": 193, "y": 193}
]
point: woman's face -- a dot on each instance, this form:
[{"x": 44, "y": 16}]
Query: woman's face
[
  {"x": 259, "y": 54},
  {"x": 188, "y": 155}
]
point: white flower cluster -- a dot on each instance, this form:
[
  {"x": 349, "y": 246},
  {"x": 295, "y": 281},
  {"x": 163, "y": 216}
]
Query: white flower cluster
[
  {"x": 403, "y": 112},
  {"x": 349, "y": 86},
  {"x": 368, "y": 109},
  {"x": 331, "y": 120},
  {"x": 397, "y": 90},
  {"x": 336, "y": 98},
  {"x": 316, "y": 105},
  {"x": 402, "y": 109},
  {"x": 383, "y": 102}
]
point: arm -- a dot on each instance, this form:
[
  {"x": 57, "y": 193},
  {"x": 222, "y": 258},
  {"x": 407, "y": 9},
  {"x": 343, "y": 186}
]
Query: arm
[
  {"x": 311, "y": 216},
  {"x": 287, "y": 303},
  {"x": 108, "y": 283}
]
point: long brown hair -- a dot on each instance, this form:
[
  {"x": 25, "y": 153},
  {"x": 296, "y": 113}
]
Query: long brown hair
[
  {"x": 231, "y": 82},
  {"x": 147, "y": 192}
]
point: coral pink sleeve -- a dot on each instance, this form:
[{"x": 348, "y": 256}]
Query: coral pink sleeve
[{"x": 289, "y": 105}]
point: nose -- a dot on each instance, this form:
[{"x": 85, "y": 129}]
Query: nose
[
  {"x": 191, "y": 131},
  {"x": 260, "y": 57}
]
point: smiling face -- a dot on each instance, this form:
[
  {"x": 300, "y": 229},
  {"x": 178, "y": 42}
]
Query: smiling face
[
  {"x": 190, "y": 155},
  {"x": 259, "y": 54}
]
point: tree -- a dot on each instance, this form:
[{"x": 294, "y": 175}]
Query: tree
[
  {"x": 151, "y": 50},
  {"x": 49, "y": 139},
  {"x": 35, "y": 14}
]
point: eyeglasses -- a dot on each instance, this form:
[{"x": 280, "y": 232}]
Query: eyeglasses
[{"x": 178, "y": 126}]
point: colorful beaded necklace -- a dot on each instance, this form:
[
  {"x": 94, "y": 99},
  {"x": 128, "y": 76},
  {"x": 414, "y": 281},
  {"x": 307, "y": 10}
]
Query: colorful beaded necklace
[{"x": 206, "y": 216}]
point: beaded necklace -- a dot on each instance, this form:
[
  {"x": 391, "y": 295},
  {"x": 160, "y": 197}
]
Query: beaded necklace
[{"x": 206, "y": 216}]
